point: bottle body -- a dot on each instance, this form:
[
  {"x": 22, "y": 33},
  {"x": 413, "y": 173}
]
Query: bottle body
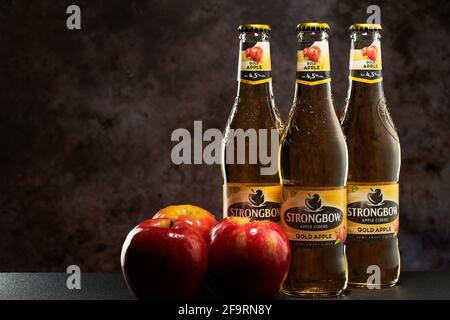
[
  {"x": 249, "y": 155},
  {"x": 313, "y": 169},
  {"x": 374, "y": 167}
]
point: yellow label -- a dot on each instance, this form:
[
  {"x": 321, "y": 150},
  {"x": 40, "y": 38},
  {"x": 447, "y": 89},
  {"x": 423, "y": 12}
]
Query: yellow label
[
  {"x": 365, "y": 63},
  {"x": 372, "y": 211},
  {"x": 258, "y": 202},
  {"x": 314, "y": 218},
  {"x": 255, "y": 63},
  {"x": 315, "y": 57},
  {"x": 366, "y": 58},
  {"x": 313, "y": 63}
]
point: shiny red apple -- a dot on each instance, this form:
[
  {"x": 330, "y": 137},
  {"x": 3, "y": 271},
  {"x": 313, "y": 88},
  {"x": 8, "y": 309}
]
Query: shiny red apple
[
  {"x": 164, "y": 259},
  {"x": 247, "y": 258},
  {"x": 372, "y": 53},
  {"x": 198, "y": 217},
  {"x": 312, "y": 53}
]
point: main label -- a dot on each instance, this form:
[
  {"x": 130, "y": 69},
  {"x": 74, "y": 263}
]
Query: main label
[
  {"x": 314, "y": 218},
  {"x": 313, "y": 63},
  {"x": 254, "y": 63},
  {"x": 365, "y": 62},
  {"x": 372, "y": 211},
  {"x": 252, "y": 201}
]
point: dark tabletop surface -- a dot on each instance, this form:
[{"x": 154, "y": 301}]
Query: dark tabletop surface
[{"x": 412, "y": 285}]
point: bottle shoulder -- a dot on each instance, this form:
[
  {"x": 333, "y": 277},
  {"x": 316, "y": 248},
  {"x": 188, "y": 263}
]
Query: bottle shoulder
[
  {"x": 368, "y": 122},
  {"x": 313, "y": 122},
  {"x": 256, "y": 114},
  {"x": 372, "y": 141}
]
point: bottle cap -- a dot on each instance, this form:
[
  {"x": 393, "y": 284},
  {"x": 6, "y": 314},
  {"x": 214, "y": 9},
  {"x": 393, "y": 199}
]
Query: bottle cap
[
  {"x": 311, "y": 26},
  {"x": 253, "y": 27},
  {"x": 365, "y": 27}
]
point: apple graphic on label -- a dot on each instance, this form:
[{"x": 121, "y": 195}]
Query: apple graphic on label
[
  {"x": 370, "y": 52},
  {"x": 313, "y": 202},
  {"x": 256, "y": 198},
  {"x": 375, "y": 197},
  {"x": 396, "y": 226},
  {"x": 312, "y": 53},
  {"x": 256, "y": 53}
]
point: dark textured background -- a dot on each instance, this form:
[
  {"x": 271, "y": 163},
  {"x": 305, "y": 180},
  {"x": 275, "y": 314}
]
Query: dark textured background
[{"x": 86, "y": 116}]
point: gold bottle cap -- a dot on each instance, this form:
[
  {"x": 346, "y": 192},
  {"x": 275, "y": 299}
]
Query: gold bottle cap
[
  {"x": 365, "y": 27},
  {"x": 311, "y": 26},
  {"x": 253, "y": 27}
]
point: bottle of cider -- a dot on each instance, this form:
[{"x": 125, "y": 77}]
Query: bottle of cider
[
  {"x": 250, "y": 146},
  {"x": 313, "y": 169},
  {"x": 374, "y": 167}
]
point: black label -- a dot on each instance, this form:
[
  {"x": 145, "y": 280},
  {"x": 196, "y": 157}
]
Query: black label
[
  {"x": 364, "y": 212},
  {"x": 255, "y": 75},
  {"x": 313, "y": 76},
  {"x": 265, "y": 211},
  {"x": 366, "y": 74},
  {"x": 301, "y": 218}
]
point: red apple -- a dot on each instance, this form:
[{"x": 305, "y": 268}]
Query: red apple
[
  {"x": 306, "y": 52},
  {"x": 396, "y": 226},
  {"x": 372, "y": 53},
  {"x": 164, "y": 259},
  {"x": 364, "y": 51},
  {"x": 314, "y": 53},
  {"x": 199, "y": 218},
  {"x": 257, "y": 54},
  {"x": 341, "y": 234},
  {"x": 247, "y": 258}
]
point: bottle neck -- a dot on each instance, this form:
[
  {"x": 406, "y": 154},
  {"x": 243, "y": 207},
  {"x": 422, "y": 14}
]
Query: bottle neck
[
  {"x": 254, "y": 67},
  {"x": 313, "y": 94},
  {"x": 364, "y": 97},
  {"x": 250, "y": 92},
  {"x": 365, "y": 57},
  {"x": 313, "y": 67}
]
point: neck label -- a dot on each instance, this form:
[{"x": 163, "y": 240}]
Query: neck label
[
  {"x": 254, "y": 63},
  {"x": 365, "y": 62},
  {"x": 313, "y": 63}
]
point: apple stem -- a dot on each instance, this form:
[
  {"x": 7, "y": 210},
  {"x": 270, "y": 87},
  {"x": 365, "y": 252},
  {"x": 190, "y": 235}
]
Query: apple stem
[{"x": 171, "y": 224}]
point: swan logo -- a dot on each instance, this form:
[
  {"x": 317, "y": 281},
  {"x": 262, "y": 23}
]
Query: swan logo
[
  {"x": 256, "y": 207},
  {"x": 375, "y": 197},
  {"x": 313, "y": 203},
  {"x": 256, "y": 198}
]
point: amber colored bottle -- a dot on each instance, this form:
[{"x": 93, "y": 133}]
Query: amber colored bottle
[
  {"x": 313, "y": 169},
  {"x": 252, "y": 187},
  {"x": 374, "y": 167}
]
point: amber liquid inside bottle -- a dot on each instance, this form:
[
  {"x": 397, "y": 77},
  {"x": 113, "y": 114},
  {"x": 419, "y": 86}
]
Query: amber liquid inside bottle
[
  {"x": 374, "y": 159},
  {"x": 313, "y": 156},
  {"x": 254, "y": 109}
]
